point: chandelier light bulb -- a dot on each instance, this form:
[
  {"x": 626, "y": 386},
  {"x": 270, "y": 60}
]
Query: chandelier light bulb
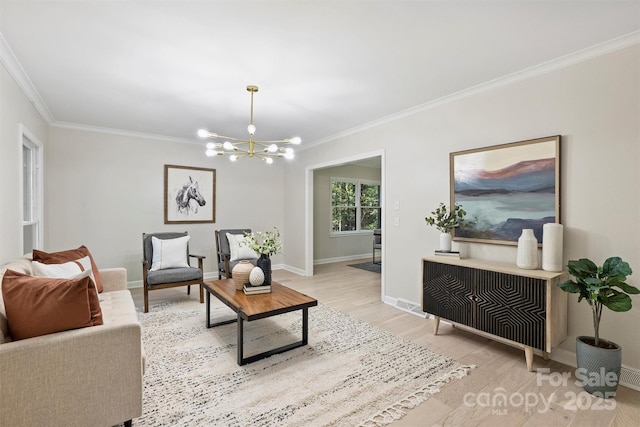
[
  {"x": 272, "y": 148},
  {"x": 296, "y": 140},
  {"x": 210, "y": 152},
  {"x": 227, "y": 145},
  {"x": 269, "y": 160},
  {"x": 211, "y": 145},
  {"x": 233, "y": 157},
  {"x": 202, "y": 133},
  {"x": 251, "y": 129},
  {"x": 288, "y": 153}
]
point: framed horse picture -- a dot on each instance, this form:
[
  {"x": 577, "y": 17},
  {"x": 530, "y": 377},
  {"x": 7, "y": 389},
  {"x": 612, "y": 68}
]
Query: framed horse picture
[{"x": 189, "y": 195}]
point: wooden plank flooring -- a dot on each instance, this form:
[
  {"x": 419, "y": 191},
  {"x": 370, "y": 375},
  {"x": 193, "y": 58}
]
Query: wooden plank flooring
[{"x": 531, "y": 399}]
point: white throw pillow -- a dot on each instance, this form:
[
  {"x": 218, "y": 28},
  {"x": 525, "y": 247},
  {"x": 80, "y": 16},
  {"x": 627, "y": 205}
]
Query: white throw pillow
[
  {"x": 239, "y": 247},
  {"x": 169, "y": 253},
  {"x": 62, "y": 271},
  {"x": 68, "y": 270}
]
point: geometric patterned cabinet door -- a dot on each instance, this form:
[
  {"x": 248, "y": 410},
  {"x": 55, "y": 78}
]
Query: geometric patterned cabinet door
[{"x": 521, "y": 307}]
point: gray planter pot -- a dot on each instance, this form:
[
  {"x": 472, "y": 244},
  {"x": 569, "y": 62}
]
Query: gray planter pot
[{"x": 598, "y": 368}]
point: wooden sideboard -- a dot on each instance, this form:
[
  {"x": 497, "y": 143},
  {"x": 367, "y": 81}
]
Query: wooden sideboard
[{"x": 524, "y": 308}]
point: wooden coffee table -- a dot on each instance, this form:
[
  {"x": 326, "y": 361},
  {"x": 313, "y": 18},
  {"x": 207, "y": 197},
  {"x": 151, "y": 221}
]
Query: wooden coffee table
[{"x": 253, "y": 307}]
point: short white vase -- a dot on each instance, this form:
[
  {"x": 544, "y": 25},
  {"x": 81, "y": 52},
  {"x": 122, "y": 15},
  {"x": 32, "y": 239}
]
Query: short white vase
[
  {"x": 445, "y": 242},
  {"x": 527, "y": 250}
]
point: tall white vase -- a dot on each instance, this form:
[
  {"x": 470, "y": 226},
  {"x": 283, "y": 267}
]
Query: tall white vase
[
  {"x": 552, "y": 242},
  {"x": 527, "y": 250},
  {"x": 445, "y": 242}
]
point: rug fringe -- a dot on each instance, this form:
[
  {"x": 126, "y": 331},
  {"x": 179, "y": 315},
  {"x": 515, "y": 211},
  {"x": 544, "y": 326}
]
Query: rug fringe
[{"x": 398, "y": 409}]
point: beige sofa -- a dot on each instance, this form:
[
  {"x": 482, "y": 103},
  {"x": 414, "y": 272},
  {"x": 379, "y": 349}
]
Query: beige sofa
[{"x": 83, "y": 377}]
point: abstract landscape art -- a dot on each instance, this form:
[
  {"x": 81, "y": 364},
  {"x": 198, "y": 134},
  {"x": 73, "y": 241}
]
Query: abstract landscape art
[{"x": 506, "y": 188}]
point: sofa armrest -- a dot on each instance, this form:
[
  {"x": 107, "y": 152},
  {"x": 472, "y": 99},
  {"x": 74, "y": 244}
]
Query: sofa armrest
[
  {"x": 88, "y": 376},
  {"x": 114, "y": 279}
]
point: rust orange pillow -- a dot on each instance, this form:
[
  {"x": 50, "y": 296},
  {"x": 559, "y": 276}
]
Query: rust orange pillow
[
  {"x": 69, "y": 255},
  {"x": 41, "y": 305}
]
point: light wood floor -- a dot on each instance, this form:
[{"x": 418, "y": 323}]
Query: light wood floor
[{"x": 475, "y": 399}]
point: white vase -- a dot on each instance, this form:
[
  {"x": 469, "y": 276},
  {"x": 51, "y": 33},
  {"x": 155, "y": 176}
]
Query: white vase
[
  {"x": 527, "y": 250},
  {"x": 445, "y": 242},
  {"x": 256, "y": 277},
  {"x": 552, "y": 247}
]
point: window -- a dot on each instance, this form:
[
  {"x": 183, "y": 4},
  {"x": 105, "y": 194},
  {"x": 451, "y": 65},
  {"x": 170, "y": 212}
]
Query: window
[
  {"x": 355, "y": 205},
  {"x": 31, "y": 195}
]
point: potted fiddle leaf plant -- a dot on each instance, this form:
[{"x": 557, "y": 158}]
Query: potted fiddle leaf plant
[
  {"x": 599, "y": 361},
  {"x": 445, "y": 221}
]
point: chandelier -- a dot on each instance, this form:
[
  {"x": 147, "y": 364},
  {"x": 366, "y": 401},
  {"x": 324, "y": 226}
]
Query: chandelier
[{"x": 241, "y": 147}]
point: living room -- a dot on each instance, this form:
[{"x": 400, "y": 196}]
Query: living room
[{"x": 103, "y": 187}]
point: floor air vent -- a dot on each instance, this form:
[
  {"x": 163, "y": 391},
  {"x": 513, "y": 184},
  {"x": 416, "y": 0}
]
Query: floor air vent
[{"x": 410, "y": 307}]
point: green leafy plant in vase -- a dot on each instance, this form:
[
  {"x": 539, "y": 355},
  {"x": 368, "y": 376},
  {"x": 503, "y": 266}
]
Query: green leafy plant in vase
[
  {"x": 445, "y": 221},
  {"x": 266, "y": 243},
  {"x": 599, "y": 361}
]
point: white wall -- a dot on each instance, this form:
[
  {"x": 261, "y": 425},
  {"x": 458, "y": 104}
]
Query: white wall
[
  {"x": 15, "y": 109},
  {"x": 594, "y": 105},
  {"x": 105, "y": 190},
  {"x": 326, "y": 247}
]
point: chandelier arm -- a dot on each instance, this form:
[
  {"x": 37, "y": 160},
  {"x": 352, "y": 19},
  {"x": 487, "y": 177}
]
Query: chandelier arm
[
  {"x": 275, "y": 141},
  {"x": 230, "y": 137}
]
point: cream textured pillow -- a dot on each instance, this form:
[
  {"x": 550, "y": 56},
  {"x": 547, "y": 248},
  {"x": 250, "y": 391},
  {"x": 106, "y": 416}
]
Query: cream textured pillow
[
  {"x": 62, "y": 270},
  {"x": 65, "y": 270},
  {"x": 239, "y": 248},
  {"x": 169, "y": 253},
  {"x": 70, "y": 255}
]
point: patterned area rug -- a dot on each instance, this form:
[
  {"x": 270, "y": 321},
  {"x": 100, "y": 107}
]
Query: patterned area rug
[
  {"x": 369, "y": 266},
  {"x": 350, "y": 373}
]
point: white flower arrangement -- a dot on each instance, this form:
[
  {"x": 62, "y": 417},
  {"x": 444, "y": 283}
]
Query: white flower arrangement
[{"x": 265, "y": 243}]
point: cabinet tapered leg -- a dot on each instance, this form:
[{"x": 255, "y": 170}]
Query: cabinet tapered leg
[
  {"x": 545, "y": 355},
  {"x": 436, "y": 324},
  {"x": 528, "y": 355}
]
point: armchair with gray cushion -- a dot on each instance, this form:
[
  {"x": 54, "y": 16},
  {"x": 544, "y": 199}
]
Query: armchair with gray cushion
[
  {"x": 168, "y": 275},
  {"x": 226, "y": 260}
]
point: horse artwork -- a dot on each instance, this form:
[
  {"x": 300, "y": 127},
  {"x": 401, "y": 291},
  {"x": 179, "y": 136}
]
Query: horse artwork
[
  {"x": 189, "y": 198},
  {"x": 189, "y": 195}
]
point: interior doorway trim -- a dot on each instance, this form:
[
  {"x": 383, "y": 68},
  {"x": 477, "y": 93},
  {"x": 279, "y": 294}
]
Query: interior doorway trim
[{"x": 309, "y": 220}]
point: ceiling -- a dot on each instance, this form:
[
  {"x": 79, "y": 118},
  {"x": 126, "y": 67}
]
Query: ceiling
[{"x": 323, "y": 67}]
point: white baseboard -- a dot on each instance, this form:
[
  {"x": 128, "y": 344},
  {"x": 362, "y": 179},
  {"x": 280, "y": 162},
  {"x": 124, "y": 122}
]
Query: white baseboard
[{"x": 341, "y": 259}]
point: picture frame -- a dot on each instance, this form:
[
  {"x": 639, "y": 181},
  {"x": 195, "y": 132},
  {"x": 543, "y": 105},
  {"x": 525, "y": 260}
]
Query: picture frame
[
  {"x": 189, "y": 195},
  {"x": 505, "y": 189}
]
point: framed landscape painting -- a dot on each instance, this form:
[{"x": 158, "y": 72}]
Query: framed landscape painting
[
  {"x": 506, "y": 188},
  {"x": 189, "y": 195}
]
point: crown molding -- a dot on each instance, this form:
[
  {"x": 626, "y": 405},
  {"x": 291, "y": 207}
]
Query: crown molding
[
  {"x": 119, "y": 132},
  {"x": 13, "y": 66},
  {"x": 583, "y": 55}
]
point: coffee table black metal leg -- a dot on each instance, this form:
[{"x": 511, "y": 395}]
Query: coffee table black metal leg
[
  {"x": 305, "y": 338},
  {"x": 305, "y": 326},
  {"x": 208, "y": 309},
  {"x": 240, "y": 341}
]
